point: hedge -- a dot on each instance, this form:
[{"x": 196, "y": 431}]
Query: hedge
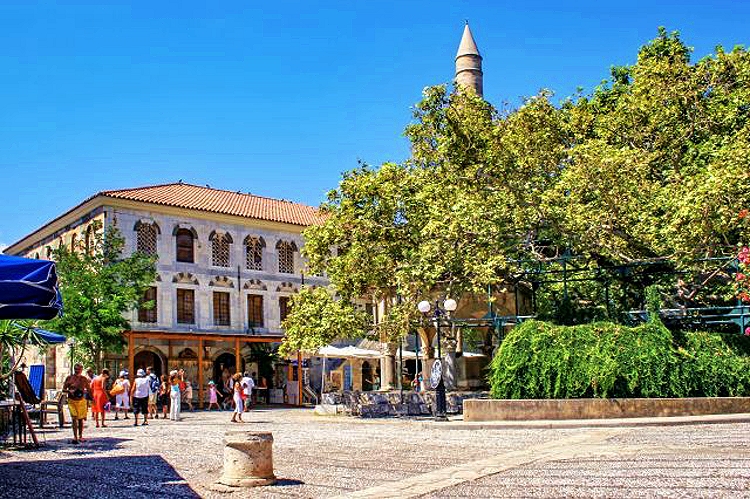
[{"x": 543, "y": 360}]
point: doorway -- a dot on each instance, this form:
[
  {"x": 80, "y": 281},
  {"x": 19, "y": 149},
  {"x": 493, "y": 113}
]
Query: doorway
[{"x": 147, "y": 358}]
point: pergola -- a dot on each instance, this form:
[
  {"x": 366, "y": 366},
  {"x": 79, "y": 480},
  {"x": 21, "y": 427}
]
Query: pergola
[{"x": 235, "y": 339}]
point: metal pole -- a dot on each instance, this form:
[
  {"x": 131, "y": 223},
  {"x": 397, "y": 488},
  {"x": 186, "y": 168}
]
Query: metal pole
[
  {"x": 440, "y": 402},
  {"x": 401, "y": 369}
]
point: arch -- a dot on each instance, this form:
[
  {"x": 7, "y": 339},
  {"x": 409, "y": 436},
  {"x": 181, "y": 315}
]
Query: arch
[
  {"x": 282, "y": 242},
  {"x": 255, "y": 284},
  {"x": 150, "y": 356},
  {"x": 251, "y": 238},
  {"x": 185, "y": 278},
  {"x": 146, "y": 221},
  {"x": 286, "y": 287},
  {"x": 187, "y": 227},
  {"x": 221, "y": 281},
  {"x": 225, "y": 363},
  {"x": 226, "y": 236}
]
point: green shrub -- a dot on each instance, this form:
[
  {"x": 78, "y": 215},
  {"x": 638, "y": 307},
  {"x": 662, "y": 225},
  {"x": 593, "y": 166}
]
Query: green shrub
[{"x": 542, "y": 360}]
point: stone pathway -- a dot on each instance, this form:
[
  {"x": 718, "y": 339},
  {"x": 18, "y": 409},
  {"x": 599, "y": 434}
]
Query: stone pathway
[{"x": 337, "y": 456}]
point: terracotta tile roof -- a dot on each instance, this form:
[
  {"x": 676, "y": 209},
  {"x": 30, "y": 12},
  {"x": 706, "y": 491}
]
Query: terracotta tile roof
[{"x": 240, "y": 204}]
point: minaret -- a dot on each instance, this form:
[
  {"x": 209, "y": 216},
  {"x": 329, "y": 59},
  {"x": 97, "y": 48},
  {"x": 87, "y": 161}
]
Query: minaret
[{"x": 469, "y": 64}]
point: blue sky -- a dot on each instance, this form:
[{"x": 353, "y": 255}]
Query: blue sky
[{"x": 277, "y": 98}]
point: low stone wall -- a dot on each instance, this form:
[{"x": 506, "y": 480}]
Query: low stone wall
[
  {"x": 524, "y": 410},
  {"x": 389, "y": 404}
]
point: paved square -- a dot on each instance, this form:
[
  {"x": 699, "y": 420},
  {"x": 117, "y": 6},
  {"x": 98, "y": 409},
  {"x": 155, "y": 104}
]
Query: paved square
[{"x": 335, "y": 456}]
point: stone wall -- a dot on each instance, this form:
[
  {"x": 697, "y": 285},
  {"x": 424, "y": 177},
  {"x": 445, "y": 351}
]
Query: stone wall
[
  {"x": 390, "y": 404},
  {"x": 518, "y": 410}
]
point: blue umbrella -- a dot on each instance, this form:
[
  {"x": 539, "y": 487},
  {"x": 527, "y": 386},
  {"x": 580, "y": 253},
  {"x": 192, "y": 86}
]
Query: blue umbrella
[{"x": 28, "y": 289}]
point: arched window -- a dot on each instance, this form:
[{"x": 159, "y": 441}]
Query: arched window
[
  {"x": 254, "y": 252},
  {"x": 89, "y": 240},
  {"x": 286, "y": 251},
  {"x": 220, "y": 249},
  {"x": 146, "y": 238},
  {"x": 184, "y": 240},
  {"x": 73, "y": 242}
]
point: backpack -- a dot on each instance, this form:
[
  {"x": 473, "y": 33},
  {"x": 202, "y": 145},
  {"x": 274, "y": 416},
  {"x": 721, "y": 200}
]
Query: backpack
[{"x": 153, "y": 383}]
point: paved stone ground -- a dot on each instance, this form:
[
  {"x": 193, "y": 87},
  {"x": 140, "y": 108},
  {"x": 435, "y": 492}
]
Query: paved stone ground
[{"x": 336, "y": 456}]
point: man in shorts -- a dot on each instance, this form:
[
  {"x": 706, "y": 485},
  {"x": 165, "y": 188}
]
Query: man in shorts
[
  {"x": 77, "y": 386},
  {"x": 139, "y": 396}
]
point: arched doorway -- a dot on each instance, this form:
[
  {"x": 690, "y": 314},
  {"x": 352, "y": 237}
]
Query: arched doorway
[{"x": 147, "y": 358}]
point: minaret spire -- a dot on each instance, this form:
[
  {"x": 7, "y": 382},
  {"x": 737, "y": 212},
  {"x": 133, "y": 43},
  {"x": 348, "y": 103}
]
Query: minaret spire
[{"x": 469, "y": 74}]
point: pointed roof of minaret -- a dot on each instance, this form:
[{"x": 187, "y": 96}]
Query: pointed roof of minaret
[{"x": 467, "y": 46}]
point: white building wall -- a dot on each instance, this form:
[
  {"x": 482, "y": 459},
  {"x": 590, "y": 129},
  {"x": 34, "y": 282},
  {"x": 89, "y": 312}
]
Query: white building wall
[{"x": 202, "y": 270}]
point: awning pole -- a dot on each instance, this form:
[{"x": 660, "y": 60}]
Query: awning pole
[{"x": 323, "y": 378}]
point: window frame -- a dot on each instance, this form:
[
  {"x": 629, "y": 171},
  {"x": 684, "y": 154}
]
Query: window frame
[
  {"x": 183, "y": 234},
  {"x": 149, "y": 315},
  {"x": 255, "y": 306},
  {"x": 222, "y": 307},
  {"x": 181, "y": 302}
]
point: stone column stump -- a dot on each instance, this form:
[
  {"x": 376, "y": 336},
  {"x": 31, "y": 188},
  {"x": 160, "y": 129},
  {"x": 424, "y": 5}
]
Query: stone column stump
[{"x": 248, "y": 459}]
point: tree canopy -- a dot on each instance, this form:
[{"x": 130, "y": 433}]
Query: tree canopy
[
  {"x": 98, "y": 285},
  {"x": 653, "y": 163}
]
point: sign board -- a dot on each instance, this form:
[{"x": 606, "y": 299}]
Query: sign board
[{"x": 436, "y": 374}]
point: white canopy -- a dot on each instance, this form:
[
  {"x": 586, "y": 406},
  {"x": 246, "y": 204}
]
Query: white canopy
[
  {"x": 363, "y": 353},
  {"x": 348, "y": 352}
]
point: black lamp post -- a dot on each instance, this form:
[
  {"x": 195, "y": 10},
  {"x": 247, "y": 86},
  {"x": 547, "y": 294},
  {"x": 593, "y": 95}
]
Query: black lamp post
[{"x": 436, "y": 376}]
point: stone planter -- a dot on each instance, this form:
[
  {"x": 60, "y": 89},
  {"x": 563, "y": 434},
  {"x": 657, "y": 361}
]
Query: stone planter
[{"x": 545, "y": 409}]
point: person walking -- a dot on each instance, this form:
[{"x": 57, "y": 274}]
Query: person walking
[
  {"x": 121, "y": 391},
  {"x": 237, "y": 414},
  {"x": 99, "y": 397},
  {"x": 248, "y": 384},
  {"x": 174, "y": 396},
  {"x": 213, "y": 396},
  {"x": 139, "y": 397},
  {"x": 76, "y": 386},
  {"x": 164, "y": 396},
  {"x": 153, "y": 392}
]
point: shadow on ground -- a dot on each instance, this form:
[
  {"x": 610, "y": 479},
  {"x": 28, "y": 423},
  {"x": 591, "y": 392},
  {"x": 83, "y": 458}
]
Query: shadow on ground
[{"x": 134, "y": 477}]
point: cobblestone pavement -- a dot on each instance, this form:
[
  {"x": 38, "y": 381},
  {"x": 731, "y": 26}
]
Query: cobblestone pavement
[{"x": 335, "y": 456}]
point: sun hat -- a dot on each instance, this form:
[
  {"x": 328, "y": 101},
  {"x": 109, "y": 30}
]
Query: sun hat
[
  {"x": 141, "y": 372},
  {"x": 211, "y": 383},
  {"x": 173, "y": 372},
  {"x": 123, "y": 374}
]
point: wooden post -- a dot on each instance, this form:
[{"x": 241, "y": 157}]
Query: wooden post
[
  {"x": 169, "y": 354},
  {"x": 200, "y": 373},
  {"x": 289, "y": 376},
  {"x": 299, "y": 378},
  {"x": 131, "y": 357},
  {"x": 237, "y": 358}
]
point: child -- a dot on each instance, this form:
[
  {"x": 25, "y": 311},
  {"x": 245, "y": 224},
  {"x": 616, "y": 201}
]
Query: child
[
  {"x": 187, "y": 393},
  {"x": 213, "y": 396}
]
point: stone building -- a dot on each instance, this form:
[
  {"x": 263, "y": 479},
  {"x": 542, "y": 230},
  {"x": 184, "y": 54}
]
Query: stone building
[{"x": 227, "y": 265}]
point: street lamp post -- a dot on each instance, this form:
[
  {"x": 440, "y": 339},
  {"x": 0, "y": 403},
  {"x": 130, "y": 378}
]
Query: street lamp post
[{"x": 436, "y": 376}]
